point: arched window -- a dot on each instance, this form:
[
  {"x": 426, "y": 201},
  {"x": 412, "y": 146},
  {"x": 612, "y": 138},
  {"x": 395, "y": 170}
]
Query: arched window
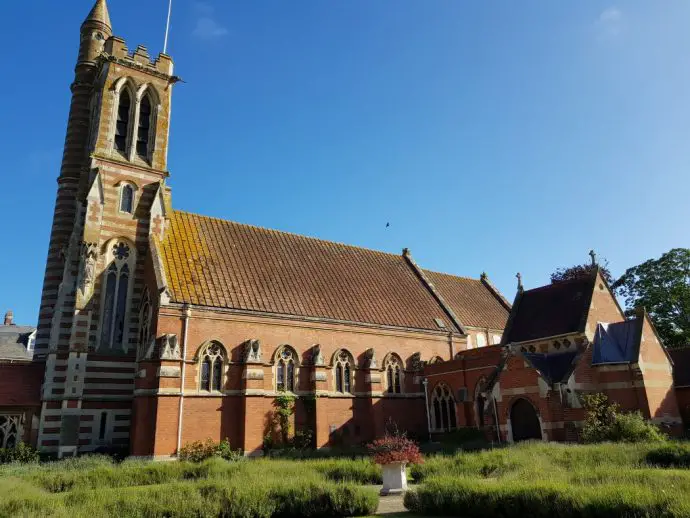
[
  {"x": 343, "y": 366},
  {"x": 127, "y": 198},
  {"x": 392, "y": 365},
  {"x": 481, "y": 400},
  {"x": 212, "y": 361},
  {"x": 145, "y": 315},
  {"x": 285, "y": 369},
  {"x": 122, "y": 124},
  {"x": 443, "y": 409},
  {"x": 116, "y": 293},
  {"x": 144, "y": 127}
]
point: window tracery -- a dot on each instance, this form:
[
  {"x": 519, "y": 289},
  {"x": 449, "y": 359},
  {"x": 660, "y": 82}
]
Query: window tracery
[
  {"x": 285, "y": 370},
  {"x": 393, "y": 368},
  {"x": 443, "y": 409},
  {"x": 116, "y": 294},
  {"x": 11, "y": 430},
  {"x": 343, "y": 372},
  {"x": 212, "y": 367}
]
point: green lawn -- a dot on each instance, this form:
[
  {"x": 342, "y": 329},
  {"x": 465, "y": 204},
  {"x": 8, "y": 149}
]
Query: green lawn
[{"x": 533, "y": 480}]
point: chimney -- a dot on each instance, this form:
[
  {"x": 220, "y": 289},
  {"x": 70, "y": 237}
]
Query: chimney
[{"x": 9, "y": 317}]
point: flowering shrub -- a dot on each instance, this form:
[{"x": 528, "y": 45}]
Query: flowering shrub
[
  {"x": 198, "y": 451},
  {"x": 392, "y": 449}
]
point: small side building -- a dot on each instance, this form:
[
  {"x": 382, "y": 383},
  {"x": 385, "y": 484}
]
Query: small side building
[
  {"x": 561, "y": 341},
  {"x": 20, "y": 384}
]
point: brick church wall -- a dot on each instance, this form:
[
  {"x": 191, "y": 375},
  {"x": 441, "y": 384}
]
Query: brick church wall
[{"x": 243, "y": 411}]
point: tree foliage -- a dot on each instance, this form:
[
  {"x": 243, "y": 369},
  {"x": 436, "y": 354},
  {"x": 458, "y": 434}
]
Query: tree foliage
[
  {"x": 662, "y": 286},
  {"x": 580, "y": 270}
]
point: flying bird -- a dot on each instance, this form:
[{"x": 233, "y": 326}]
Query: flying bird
[{"x": 388, "y": 225}]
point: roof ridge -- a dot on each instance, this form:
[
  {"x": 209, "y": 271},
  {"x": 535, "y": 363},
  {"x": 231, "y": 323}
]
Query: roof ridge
[
  {"x": 558, "y": 283},
  {"x": 464, "y": 277},
  {"x": 285, "y": 232}
]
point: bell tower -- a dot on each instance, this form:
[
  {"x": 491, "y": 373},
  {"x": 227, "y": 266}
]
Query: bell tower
[{"x": 111, "y": 201}]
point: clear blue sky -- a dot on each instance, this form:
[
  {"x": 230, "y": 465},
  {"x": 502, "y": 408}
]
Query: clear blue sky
[{"x": 493, "y": 136}]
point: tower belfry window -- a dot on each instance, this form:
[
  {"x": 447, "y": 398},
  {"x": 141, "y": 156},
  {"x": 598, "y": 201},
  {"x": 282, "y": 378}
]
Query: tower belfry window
[
  {"x": 144, "y": 127},
  {"x": 122, "y": 125}
]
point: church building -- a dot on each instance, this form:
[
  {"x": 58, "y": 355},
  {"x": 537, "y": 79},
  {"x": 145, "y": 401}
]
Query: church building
[{"x": 159, "y": 327}]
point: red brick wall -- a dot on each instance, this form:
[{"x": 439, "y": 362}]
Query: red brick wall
[
  {"x": 244, "y": 419},
  {"x": 20, "y": 384},
  {"x": 603, "y": 307},
  {"x": 658, "y": 376}
]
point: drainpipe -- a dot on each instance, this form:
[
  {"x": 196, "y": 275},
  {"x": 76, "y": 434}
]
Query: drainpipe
[
  {"x": 425, "y": 382},
  {"x": 185, "y": 326},
  {"x": 498, "y": 423}
]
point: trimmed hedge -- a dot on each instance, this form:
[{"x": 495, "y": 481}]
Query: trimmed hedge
[
  {"x": 673, "y": 455},
  {"x": 449, "y": 496},
  {"x": 361, "y": 471},
  {"x": 526, "y": 459},
  {"x": 235, "y": 498}
]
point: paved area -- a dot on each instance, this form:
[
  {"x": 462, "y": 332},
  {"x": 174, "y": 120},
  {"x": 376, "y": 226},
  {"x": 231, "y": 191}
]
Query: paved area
[{"x": 391, "y": 504}]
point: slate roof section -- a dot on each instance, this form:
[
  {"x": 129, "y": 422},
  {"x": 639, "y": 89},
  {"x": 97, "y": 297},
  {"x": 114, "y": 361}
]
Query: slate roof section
[
  {"x": 472, "y": 301},
  {"x": 554, "y": 368},
  {"x": 681, "y": 365},
  {"x": 618, "y": 342},
  {"x": 218, "y": 263},
  {"x": 551, "y": 310},
  {"x": 13, "y": 342}
]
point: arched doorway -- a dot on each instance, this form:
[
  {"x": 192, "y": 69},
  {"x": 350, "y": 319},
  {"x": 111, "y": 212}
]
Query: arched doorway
[{"x": 524, "y": 421}]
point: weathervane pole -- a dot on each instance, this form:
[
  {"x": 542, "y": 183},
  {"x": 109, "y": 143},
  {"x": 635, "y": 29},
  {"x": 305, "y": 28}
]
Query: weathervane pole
[{"x": 167, "y": 28}]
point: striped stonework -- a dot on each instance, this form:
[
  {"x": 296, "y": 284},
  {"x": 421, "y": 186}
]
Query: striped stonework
[{"x": 89, "y": 382}]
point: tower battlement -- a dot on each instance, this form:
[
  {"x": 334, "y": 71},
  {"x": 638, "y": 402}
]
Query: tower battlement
[{"x": 116, "y": 50}]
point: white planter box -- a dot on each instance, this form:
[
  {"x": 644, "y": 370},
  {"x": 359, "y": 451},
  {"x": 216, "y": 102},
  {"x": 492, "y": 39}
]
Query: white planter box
[{"x": 394, "y": 479}]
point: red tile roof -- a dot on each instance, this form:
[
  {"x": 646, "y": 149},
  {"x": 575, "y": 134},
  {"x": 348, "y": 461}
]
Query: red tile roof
[
  {"x": 218, "y": 263},
  {"x": 471, "y": 300}
]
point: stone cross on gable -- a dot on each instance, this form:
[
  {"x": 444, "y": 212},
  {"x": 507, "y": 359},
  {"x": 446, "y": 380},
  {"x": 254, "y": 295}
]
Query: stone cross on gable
[{"x": 593, "y": 255}]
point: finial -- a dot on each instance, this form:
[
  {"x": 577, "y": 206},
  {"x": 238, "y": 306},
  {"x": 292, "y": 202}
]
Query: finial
[
  {"x": 519, "y": 278},
  {"x": 483, "y": 276},
  {"x": 406, "y": 251},
  {"x": 99, "y": 13},
  {"x": 593, "y": 255}
]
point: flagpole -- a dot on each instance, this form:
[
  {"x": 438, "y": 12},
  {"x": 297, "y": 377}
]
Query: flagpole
[{"x": 167, "y": 27}]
